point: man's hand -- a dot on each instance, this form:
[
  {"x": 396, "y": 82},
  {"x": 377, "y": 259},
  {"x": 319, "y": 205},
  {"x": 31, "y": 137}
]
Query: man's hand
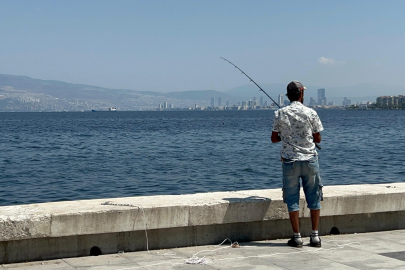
[
  {"x": 317, "y": 137},
  {"x": 275, "y": 137}
]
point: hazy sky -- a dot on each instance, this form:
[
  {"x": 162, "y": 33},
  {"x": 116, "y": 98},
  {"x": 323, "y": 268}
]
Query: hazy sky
[{"x": 172, "y": 45}]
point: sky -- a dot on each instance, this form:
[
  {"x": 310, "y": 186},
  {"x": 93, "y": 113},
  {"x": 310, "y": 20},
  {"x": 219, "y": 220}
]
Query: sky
[{"x": 176, "y": 45}]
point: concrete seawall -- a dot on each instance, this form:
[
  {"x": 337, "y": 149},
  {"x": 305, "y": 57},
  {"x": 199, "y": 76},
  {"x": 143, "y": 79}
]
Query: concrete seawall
[{"x": 82, "y": 228}]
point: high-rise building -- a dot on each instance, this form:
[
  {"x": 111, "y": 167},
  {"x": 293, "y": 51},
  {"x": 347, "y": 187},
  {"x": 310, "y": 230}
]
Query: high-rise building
[
  {"x": 312, "y": 101},
  {"x": 346, "y": 102},
  {"x": 255, "y": 103},
  {"x": 280, "y": 100},
  {"x": 321, "y": 97},
  {"x": 261, "y": 101},
  {"x": 219, "y": 101},
  {"x": 212, "y": 102}
]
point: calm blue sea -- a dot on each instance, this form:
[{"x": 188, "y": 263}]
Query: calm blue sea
[{"x": 70, "y": 156}]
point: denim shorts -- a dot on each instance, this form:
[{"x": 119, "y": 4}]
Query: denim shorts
[{"x": 308, "y": 172}]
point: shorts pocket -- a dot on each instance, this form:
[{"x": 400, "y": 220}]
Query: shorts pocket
[
  {"x": 313, "y": 166},
  {"x": 288, "y": 168},
  {"x": 320, "y": 192}
]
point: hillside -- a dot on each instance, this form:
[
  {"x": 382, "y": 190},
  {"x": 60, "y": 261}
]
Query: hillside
[{"x": 22, "y": 93}]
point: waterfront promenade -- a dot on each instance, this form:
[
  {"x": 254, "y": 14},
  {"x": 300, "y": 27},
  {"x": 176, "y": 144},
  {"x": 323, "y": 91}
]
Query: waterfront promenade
[
  {"x": 65, "y": 235},
  {"x": 377, "y": 250}
]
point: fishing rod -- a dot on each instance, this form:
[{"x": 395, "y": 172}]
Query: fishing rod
[{"x": 261, "y": 89}]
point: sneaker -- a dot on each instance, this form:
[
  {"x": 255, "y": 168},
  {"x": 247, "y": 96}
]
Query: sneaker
[
  {"x": 314, "y": 243},
  {"x": 295, "y": 242}
]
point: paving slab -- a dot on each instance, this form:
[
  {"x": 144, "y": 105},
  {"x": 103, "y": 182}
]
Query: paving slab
[
  {"x": 379, "y": 246},
  {"x": 153, "y": 255},
  {"x": 111, "y": 261},
  {"x": 246, "y": 264},
  {"x": 41, "y": 265},
  {"x": 156, "y": 259},
  {"x": 360, "y": 259}
]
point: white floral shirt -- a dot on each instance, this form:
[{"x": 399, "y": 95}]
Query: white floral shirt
[{"x": 295, "y": 125}]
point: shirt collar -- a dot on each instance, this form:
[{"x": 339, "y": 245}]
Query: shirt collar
[{"x": 296, "y": 103}]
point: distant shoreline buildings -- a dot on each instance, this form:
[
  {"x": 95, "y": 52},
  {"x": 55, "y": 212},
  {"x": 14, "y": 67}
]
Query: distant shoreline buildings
[
  {"x": 382, "y": 102},
  {"x": 260, "y": 104},
  {"x": 391, "y": 101}
]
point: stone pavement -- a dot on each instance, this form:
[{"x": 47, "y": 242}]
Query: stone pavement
[{"x": 377, "y": 250}]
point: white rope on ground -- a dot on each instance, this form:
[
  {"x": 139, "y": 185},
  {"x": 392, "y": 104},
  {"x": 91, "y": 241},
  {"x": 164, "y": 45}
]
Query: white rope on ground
[
  {"x": 196, "y": 260},
  {"x": 170, "y": 255}
]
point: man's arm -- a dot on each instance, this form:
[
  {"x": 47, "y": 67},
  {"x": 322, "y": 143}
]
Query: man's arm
[
  {"x": 317, "y": 137},
  {"x": 275, "y": 137}
]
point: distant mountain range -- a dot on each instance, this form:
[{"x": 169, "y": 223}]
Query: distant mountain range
[
  {"x": 60, "y": 89},
  {"x": 22, "y": 93}
]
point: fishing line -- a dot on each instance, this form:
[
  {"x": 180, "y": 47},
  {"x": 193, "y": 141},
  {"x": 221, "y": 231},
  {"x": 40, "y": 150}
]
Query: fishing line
[{"x": 144, "y": 218}]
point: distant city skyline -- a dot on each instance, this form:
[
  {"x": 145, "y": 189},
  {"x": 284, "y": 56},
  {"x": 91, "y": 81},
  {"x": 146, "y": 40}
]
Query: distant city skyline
[
  {"x": 254, "y": 103},
  {"x": 21, "y": 93}
]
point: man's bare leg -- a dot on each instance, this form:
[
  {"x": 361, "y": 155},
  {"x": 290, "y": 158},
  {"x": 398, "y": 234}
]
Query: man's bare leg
[
  {"x": 296, "y": 241},
  {"x": 315, "y": 219},
  {"x": 295, "y": 221}
]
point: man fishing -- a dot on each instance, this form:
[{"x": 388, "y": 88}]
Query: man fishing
[{"x": 298, "y": 128}]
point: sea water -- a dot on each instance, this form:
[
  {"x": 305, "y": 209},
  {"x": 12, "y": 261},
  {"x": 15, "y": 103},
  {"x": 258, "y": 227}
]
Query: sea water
[{"x": 73, "y": 156}]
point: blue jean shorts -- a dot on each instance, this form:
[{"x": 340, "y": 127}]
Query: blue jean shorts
[{"x": 308, "y": 172}]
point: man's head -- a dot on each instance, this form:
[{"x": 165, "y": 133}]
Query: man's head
[{"x": 295, "y": 91}]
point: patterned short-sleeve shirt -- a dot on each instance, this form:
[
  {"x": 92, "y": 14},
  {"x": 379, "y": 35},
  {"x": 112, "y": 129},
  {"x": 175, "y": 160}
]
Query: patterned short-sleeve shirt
[{"x": 295, "y": 124}]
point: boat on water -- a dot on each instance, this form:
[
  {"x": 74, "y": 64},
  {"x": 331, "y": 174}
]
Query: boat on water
[{"x": 111, "y": 109}]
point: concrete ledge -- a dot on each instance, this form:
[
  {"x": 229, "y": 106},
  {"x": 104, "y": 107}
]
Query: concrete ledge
[{"x": 68, "y": 229}]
